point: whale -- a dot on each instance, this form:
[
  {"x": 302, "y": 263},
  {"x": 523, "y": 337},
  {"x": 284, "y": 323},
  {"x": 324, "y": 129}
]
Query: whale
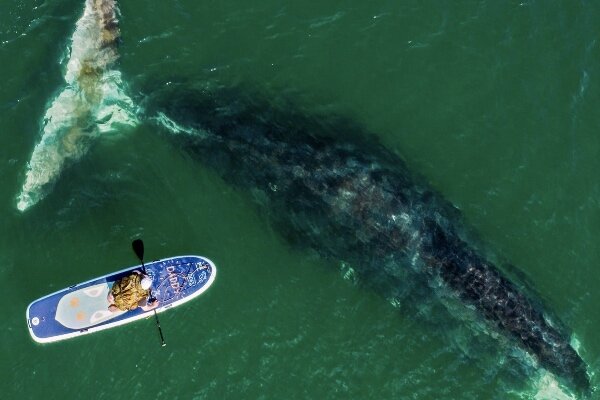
[
  {"x": 328, "y": 186},
  {"x": 93, "y": 102},
  {"x": 333, "y": 190}
]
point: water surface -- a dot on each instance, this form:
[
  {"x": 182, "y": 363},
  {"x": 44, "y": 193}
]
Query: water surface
[{"x": 494, "y": 103}]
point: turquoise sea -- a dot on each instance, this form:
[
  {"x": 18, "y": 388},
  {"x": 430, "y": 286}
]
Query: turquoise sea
[{"x": 494, "y": 103}]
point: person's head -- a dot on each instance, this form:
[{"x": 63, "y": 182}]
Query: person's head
[{"x": 146, "y": 282}]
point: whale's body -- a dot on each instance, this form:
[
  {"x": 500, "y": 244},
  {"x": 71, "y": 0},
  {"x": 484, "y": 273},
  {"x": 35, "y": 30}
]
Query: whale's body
[
  {"x": 357, "y": 202},
  {"x": 91, "y": 104}
]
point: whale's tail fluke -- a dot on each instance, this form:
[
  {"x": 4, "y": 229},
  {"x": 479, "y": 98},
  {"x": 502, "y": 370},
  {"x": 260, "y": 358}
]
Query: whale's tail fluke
[{"x": 92, "y": 103}]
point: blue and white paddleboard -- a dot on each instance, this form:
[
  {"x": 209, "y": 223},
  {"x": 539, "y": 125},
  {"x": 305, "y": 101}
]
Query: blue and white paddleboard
[{"x": 83, "y": 308}]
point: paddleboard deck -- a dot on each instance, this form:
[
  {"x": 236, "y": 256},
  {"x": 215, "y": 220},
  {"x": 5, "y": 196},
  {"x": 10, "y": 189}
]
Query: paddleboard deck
[{"x": 83, "y": 308}]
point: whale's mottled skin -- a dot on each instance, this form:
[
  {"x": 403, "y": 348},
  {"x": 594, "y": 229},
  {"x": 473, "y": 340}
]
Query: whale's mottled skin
[
  {"x": 92, "y": 103},
  {"x": 357, "y": 202}
]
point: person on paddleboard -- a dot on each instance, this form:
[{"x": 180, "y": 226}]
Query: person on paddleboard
[{"x": 130, "y": 292}]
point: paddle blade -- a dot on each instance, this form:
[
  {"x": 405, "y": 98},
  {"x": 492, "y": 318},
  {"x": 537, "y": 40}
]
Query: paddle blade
[{"x": 138, "y": 248}]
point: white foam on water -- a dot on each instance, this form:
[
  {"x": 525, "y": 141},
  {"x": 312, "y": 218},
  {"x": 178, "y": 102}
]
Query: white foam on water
[
  {"x": 548, "y": 388},
  {"x": 173, "y": 126},
  {"x": 575, "y": 343},
  {"x": 545, "y": 386},
  {"x": 93, "y": 103}
]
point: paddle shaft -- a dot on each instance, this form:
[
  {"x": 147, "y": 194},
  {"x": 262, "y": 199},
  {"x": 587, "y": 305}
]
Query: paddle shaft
[
  {"x": 138, "y": 248},
  {"x": 162, "y": 339}
]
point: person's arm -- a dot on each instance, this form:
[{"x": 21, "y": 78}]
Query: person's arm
[{"x": 148, "y": 306}]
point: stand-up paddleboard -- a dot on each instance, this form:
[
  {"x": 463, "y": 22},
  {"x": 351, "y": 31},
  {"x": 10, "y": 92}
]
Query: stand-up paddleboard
[{"x": 83, "y": 308}]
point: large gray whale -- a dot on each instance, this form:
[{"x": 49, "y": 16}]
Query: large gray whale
[
  {"x": 350, "y": 199},
  {"x": 347, "y": 199}
]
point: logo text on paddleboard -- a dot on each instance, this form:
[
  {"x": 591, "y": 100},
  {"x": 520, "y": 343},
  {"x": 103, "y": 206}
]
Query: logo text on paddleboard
[{"x": 173, "y": 279}]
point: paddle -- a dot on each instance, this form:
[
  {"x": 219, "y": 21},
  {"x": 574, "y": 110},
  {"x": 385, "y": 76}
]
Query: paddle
[{"x": 138, "y": 248}]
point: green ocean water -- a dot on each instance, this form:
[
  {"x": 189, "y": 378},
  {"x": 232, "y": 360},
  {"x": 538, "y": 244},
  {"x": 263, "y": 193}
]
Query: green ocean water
[{"x": 494, "y": 103}]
